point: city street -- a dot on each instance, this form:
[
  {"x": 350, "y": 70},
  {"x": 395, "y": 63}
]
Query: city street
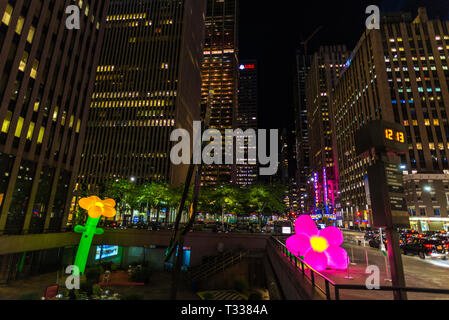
[{"x": 428, "y": 273}]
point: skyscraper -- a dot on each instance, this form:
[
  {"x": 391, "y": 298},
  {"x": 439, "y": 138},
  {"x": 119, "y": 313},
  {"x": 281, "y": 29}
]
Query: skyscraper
[
  {"x": 220, "y": 77},
  {"x": 303, "y": 63},
  {"x": 46, "y": 80},
  {"x": 148, "y": 84},
  {"x": 247, "y": 117},
  {"x": 400, "y": 74},
  {"x": 327, "y": 64}
]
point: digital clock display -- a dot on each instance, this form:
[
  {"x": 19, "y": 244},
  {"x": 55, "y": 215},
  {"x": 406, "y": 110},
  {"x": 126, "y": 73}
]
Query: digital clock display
[{"x": 394, "y": 135}]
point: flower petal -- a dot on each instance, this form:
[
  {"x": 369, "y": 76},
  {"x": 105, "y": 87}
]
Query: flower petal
[
  {"x": 337, "y": 258},
  {"x": 305, "y": 225},
  {"x": 298, "y": 244},
  {"x": 333, "y": 235},
  {"x": 317, "y": 260},
  {"x": 109, "y": 202},
  {"x": 109, "y": 212},
  {"x": 86, "y": 203},
  {"x": 95, "y": 212},
  {"x": 95, "y": 198}
]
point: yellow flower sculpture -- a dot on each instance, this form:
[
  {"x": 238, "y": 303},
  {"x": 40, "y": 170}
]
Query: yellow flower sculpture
[{"x": 96, "y": 207}]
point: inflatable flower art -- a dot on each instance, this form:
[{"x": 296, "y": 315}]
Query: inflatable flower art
[
  {"x": 96, "y": 208},
  {"x": 320, "y": 248}
]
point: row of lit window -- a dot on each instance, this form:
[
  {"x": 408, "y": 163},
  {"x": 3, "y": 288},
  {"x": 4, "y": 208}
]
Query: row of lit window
[
  {"x": 132, "y": 104},
  {"x": 135, "y": 94},
  {"x": 137, "y": 123},
  {"x": 6, "y": 19},
  {"x": 126, "y": 17},
  {"x": 427, "y": 122},
  {"x": 432, "y": 146}
]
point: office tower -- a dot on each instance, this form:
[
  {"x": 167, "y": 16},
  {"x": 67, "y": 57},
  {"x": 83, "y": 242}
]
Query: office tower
[
  {"x": 247, "y": 118},
  {"x": 148, "y": 84},
  {"x": 46, "y": 81},
  {"x": 220, "y": 77},
  {"x": 327, "y": 64},
  {"x": 399, "y": 74},
  {"x": 303, "y": 63}
]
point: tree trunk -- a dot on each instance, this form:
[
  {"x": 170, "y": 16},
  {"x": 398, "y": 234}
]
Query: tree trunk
[{"x": 157, "y": 215}]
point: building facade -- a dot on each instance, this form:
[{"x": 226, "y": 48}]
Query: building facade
[
  {"x": 220, "y": 78},
  {"x": 46, "y": 80},
  {"x": 247, "y": 119},
  {"x": 327, "y": 65},
  {"x": 400, "y": 74},
  {"x": 303, "y": 63},
  {"x": 148, "y": 84}
]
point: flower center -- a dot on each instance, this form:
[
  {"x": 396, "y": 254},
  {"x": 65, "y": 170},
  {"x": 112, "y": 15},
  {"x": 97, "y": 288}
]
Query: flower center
[
  {"x": 319, "y": 244},
  {"x": 99, "y": 204}
]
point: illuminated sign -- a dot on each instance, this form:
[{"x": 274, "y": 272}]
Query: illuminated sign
[
  {"x": 381, "y": 135},
  {"x": 325, "y": 190},
  {"x": 317, "y": 191},
  {"x": 106, "y": 252},
  {"x": 247, "y": 66},
  {"x": 394, "y": 135},
  {"x": 286, "y": 230}
]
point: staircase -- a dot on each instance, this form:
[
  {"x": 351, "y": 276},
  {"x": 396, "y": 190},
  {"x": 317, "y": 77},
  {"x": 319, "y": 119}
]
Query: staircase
[{"x": 217, "y": 264}]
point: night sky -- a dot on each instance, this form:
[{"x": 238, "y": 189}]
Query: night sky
[{"x": 272, "y": 31}]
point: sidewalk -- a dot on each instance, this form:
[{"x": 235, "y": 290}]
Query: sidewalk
[{"x": 418, "y": 273}]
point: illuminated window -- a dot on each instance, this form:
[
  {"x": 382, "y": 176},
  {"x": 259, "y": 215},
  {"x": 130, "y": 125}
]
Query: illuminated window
[
  {"x": 23, "y": 62},
  {"x": 40, "y": 138},
  {"x": 7, "y": 15},
  {"x": 6, "y": 122},
  {"x": 30, "y": 131},
  {"x": 34, "y": 69},
  {"x": 19, "y": 25},
  {"x": 31, "y": 34},
  {"x": 55, "y": 114},
  {"x": 19, "y": 127}
]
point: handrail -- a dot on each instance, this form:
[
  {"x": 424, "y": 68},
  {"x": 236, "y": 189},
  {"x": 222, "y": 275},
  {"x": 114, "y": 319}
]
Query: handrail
[
  {"x": 308, "y": 266},
  {"x": 216, "y": 260},
  {"x": 339, "y": 287},
  {"x": 219, "y": 266}
]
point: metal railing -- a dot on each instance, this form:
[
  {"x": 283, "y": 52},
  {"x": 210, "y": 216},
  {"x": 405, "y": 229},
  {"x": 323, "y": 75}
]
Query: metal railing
[
  {"x": 226, "y": 261},
  {"x": 324, "y": 285}
]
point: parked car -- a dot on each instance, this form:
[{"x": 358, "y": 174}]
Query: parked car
[{"x": 425, "y": 247}]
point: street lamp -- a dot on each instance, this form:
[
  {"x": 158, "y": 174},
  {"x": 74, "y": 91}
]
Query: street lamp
[{"x": 428, "y": 189}]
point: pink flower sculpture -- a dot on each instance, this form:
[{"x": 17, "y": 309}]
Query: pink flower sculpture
[{"x": 320, "y": 248}]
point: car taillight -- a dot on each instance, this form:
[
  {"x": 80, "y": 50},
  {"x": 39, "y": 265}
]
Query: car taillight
[{"x": 429, "y": 246}]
